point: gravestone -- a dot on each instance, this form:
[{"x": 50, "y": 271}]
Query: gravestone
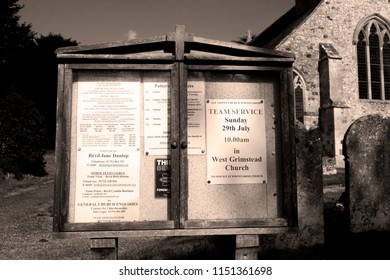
[{"x": 367, "y": 157}]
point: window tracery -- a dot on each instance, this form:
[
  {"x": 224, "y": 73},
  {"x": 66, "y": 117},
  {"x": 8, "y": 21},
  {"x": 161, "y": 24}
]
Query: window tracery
[{"x": 372, "y": 38}]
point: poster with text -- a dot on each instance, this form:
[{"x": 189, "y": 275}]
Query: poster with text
[
  {"x": 156, "y": 118},
  {"x": 195, "y": 117},
  {"x": 236, "y": 141},
  {"x": 108, "y": 153}
]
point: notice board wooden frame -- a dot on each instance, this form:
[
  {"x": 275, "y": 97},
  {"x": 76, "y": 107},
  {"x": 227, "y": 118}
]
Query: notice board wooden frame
[{"x": 177, "y": 53}]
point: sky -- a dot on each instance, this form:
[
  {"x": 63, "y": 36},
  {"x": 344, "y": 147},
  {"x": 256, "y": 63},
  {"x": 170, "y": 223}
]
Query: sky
[{"x": 103, "y": 21}]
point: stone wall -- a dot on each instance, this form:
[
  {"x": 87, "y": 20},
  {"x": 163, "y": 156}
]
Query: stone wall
[{"x": 334, "y": 22}]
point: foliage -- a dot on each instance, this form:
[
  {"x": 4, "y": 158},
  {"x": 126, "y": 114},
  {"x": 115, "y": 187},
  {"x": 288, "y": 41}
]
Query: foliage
[
  {"x": 28, "y": 92},
  {"x": 15, "y": 39},
  {"x": 245, "y": 39},
  {"x": 21, "y": 125},
  {"x": 14, "y": 36},
  {"x": 28, "y": 64},
  {"x": 45, "y": 79},
  {"x": 22, "y": 137}
]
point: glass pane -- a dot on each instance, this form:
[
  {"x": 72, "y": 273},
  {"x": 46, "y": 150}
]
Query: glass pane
[
  {"x": 376, "y": 90},
  {"x": 374, "y": 48},
  {"x": 109, "y": 134},
  {"x": 362, "y": 69},
  {"x": 375, "y": 64},
  {"x": 232, "y": 170},
  {"x": 155, "y": 151},
  {"x": 363, "y": 89},
  {"x": 386, "y": 67},
  {"x": 299, "y": 112}
]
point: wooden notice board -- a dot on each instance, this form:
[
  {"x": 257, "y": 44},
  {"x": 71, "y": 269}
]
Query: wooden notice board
[{"x": 174, "y": 135}]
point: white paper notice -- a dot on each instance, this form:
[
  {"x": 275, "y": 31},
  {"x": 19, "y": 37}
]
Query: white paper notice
[
  {"x": 196, "y": 117},
  {"x": 108, "y": 156},
  {"x": 236, "y": 141},
  {"x": 157, "y": 116}
]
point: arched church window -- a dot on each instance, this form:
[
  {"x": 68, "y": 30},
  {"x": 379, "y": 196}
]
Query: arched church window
[
  {"x": 299, "y": 89},
  {"x": 372, "y": 39}
]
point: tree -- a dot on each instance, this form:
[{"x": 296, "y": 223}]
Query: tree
[
  {"x": 28, "y": 72},
  {"x": 22, "y": 137},
  {"x": 45, "y": 79},
  {"x": 245, "y": 39},
  {"x": 15, "y": 39}
]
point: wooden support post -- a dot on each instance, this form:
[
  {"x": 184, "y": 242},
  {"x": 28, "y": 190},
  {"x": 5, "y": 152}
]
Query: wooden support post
[
  {"x": 247, "y": 247},
  {"x": 104, "y": 248}
]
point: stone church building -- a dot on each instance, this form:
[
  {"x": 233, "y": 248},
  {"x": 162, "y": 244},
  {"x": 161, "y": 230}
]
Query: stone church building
[{"x": 342, "y": 67}]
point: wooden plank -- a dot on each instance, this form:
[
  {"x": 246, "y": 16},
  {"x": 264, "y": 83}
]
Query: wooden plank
[
  {"x": 104, "y": 248},
  {"x": 288, "y": 146},
  {"x": 173, "y": 232},
  {"x": 65, "y": 144},
  {"x": 113, "y": 66},
  {"x": 180, "y": 36},
  {"x": 175, "y": 152},
  {"x": 227, "y": 58},
  {"x": 285, "y": 143},
  {"x": 247, "y": 247},
  {"x": 183, "y": 146},
  {"x": 58, "y": 181},
  {"x": 115, "y": 59},
  {"x": 242, "y": 49},
  {"x": 127, "y": 57},
  {"x": 139, "y": 225},
  {"x": 103, "y": 243},
  {"x": 188, "y": 37},
  {"x": 233, "y": 68},
  {"x": 62, "y": 147},
  {"x": 192, "y": 224},
  {"x": 247, "y": 253},
  {"x": 120, "y": 44},
  {"x": 234, "y": 223},
  {"x": 244, "y": 241}
]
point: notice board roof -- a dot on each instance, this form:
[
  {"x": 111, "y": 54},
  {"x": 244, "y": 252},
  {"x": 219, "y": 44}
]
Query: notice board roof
[{"x": 173, "y": 46}]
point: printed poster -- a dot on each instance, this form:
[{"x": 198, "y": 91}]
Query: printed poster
[
  {"x": 236, "y": 141},
  {"x": 108, "y": 154}
]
